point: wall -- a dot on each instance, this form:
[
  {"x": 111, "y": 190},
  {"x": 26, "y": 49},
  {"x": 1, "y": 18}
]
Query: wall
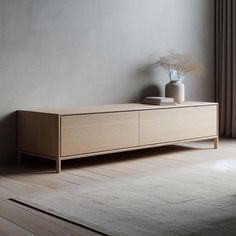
[{"x": 78, "y": 52}]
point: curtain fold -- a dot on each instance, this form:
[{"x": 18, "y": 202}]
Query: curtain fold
[{"x": 225, "y": 13}]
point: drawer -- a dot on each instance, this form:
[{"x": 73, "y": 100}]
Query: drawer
[
  {"x": 82, "y": 134},
  {"x": 166, "y": 125}
]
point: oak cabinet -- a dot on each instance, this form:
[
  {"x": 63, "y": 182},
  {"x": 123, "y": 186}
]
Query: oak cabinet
[{"x": 73, "y": 133}]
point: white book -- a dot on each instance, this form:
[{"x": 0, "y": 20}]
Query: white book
[
  {"x": 159, "y": 103},
  {"x": 162, "y": 99}
]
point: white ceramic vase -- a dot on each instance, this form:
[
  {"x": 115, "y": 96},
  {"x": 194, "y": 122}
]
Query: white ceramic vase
[{"x": 176, "y": 90}]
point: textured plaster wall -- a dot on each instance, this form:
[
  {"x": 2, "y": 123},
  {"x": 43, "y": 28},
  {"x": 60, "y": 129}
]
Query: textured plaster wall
[{"x": 79, "y": 52}]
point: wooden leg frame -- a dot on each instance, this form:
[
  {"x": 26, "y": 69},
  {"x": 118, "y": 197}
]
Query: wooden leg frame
[{"x": 216, "y": 143}]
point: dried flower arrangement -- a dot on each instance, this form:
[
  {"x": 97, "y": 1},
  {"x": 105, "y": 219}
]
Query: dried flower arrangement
[{"x": 178, "y": 65}]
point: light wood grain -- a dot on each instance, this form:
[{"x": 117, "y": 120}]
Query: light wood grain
[
  {"x": 140, "y": 147},
  {"x": 8, "y": 228},
  {"x": 38, "y": 133},
  {"x": 117, "y": 108},
  {"x": 98, "y": 132},
  {"x": 88, "y": 131},
  {"x": 58, "y": 165},
  {"x": 177, "y": 124},
  {"x": 216, "y": 143}
]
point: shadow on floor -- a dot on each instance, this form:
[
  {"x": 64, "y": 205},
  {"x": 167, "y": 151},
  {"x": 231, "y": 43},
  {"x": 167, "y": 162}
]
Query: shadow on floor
[{"x": 32, "y": 164}]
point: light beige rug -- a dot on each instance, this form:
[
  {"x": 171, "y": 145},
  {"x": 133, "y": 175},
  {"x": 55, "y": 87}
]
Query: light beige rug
[{"x": 176, "y": 202}]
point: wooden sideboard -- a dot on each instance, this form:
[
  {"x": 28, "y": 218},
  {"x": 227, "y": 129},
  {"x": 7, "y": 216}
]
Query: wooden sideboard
[{"x": 87, "y": 131}]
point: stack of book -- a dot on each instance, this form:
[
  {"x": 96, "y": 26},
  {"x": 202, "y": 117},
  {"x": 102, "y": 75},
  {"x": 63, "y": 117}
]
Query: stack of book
[{"x": 161, "y": 101}]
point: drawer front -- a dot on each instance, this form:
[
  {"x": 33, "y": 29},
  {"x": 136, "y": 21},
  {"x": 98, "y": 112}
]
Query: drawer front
[
  {"x": 82, "y": 134},
  {"x": 175, "y": 124}
]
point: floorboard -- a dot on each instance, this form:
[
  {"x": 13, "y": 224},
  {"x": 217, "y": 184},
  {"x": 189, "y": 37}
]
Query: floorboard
[{"x": 8, "y": 228}]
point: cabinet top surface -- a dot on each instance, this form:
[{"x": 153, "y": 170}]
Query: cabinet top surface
[{"x": 115, "y": 108}]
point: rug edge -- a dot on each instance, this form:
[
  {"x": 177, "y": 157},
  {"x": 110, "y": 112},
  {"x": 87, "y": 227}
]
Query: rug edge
[{"x": 83, "y": 224}]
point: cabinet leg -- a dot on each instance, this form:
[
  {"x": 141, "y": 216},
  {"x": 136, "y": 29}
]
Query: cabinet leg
[
  {"x": 19, "y": 159},
  {"x": 58, "y": 165},
  {"x": 216, "y": 143}
]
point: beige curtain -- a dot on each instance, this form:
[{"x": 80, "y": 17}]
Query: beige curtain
[{"x": 226, "y": 65}]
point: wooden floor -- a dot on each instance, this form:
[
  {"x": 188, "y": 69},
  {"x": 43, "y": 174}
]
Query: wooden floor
[{"x": 36, "y": 175}]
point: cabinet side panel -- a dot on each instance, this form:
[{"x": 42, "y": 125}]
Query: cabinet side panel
[
  {"x": 38, "y": 133},
  {"x": 177, "y": 124},
  {"x": 82, "y": 134}
]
